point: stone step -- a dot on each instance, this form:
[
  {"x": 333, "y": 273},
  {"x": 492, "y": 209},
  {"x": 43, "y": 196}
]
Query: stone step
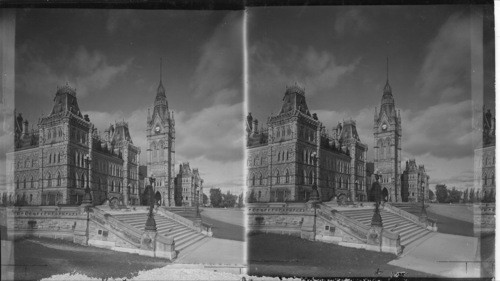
[{"x": 184, "y": 236}]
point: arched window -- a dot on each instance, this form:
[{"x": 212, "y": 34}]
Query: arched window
[
  {"x": 50, "y": 158},
  {"x": 112, "y": 186},
  {"x": 304, "y": 179},
  {"x": 24, "y": 183},
  {"x": 58, "y": 179},
  {"x": 485, "y": 179},
  {"x": 253, "y": 179},
  {"x": 277, "y": 176},
  {"x": 49, "y": 180},
  {"x": 287, "y": 176},
  {"x": 31, "y": 182},
  {"x": 287, "y": 155},
  {"x": 31, "y": 198},
  {"x": 82, "y": 181},
  {"x": 311, "y": 177},
  {"x": 260, "y": 179},
  {"x": 160, "y": 147},
  {"x": 58, "y": 158}
]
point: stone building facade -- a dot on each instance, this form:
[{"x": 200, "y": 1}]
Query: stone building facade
[
  {"x": 414, "y": 181},
  {"x": 295, "y": 153},
  {"x": 161, "y": 147},
  {"x": 387, "y": 148},
  {"x": 55, "y": 162},
  {"x": 188, "y": 186},
  {"x": 484, "y": 160}
]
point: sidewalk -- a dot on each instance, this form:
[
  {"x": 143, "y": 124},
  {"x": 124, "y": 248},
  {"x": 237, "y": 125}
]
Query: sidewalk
[{"x": 445, "y": 255}]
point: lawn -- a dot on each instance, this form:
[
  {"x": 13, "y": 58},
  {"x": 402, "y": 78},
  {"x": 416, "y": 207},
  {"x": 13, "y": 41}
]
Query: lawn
[
  {"x": 38, "y": 258},
  {"x": 226, "y": 223},
  {"x": 288, "y": 256}
]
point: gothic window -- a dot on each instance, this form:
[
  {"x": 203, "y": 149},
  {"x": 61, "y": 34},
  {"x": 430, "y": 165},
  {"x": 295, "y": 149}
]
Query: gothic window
[
  {"x": 58, "y": 179},
  {"x": 311, "y": 177},
  {"x": 283, "y": 131},
  {"x": 49, "y": 134},
  {"x": 82, "y": 181},
  {"x": 304, "y": 179},
  {"x": 260, "y": 194},
  {"x": 60, "y": 132},
  {"x": 277, "y": 176},
  {"x": 31, "y": 182},
  {"x": 287, "y": 155},
  {"x": 24, "y": 183},
  {"x": 50, "y": 158},
  {"x": 58, "y": 158},
  {"x": 340, "y": 183},
  {"x": 49, "y": 180},
  {"x": 253, "y": 179},
  {"x": 112, "y": 186},
  {"x": 287, "y": 176},
  {"x": 260, "y": 178},
  {"x": 31, "y": 198},
  {"x": 485, "y": 179}
]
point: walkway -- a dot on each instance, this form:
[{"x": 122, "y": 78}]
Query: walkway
[{"x": 445, "y": 255}]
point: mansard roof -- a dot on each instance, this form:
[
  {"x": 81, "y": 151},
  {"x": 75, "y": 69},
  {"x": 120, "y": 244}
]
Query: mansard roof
[
  {"x": 294, "y": 99},
  {"x": 66, "y": 101},
  {"x": 349, "y": 131},
  {"x": 121, "y": 133}
]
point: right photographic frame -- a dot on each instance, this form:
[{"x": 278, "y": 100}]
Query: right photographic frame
[{"x": 370, "y": 141}]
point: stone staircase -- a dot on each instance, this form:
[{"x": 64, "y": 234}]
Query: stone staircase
[
  {"x": 409, "y": 231},
  {"x": 184, "y": 237},
  {"x": 412, "y": 208}
]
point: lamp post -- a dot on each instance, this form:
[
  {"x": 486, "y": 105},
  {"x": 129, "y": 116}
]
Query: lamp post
[
  {"x": 87, "y": 198},
  {"x": 314, "y": 199},
  {"x": 423, "y": 212},
  {"x": 197, "y": 198},
  {"x": 376, "y": 190},
  {"x": 151, "y": 223}
]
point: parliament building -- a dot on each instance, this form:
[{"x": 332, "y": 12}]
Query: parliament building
[
  {"x": 54, "y": 163},
  {"x": 296, "y": 153}
]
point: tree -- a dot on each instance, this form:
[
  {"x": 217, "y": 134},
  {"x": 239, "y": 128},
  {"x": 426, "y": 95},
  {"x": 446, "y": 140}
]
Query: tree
[
  {"x": 205, "y": 199},
  {"x": 240, "y": 201},
  {"x": 431, "y": 195},
  {"x": 442, "y": 193},
  {"x": 454, "y": 196},
  {"x": 466, "y": 195},
  {"x": 251, "y": 198},
  {"x": 228, "y": 200},
  {"x": 472, "y": 198},
  {"x": 216, "y": 197}
]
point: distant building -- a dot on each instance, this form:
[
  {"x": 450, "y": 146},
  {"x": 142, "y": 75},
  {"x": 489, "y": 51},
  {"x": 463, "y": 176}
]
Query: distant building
[
  {"x": 188, "y": 186},
  {"x": 414, "y": 181},
  {"x": 49, "y": 163},
  {"x": 294, "y": 153}
]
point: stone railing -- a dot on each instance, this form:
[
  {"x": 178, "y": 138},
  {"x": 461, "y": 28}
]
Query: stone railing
[
  {"x": 43, "y": 221},
  {"x": 484, "y": 218},
  {"x": 429, "y": 223},
  {"x": 358, "y": 235},
  {"x": 106, "y": 231},
  {"x": 280, "y": 218}
]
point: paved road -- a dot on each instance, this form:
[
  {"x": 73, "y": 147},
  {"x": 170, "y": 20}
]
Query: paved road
[{"x": 226, "y": 223}]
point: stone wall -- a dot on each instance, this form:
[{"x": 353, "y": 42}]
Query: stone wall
[
  {"x": 93, "y": 227},
  {"x": 484, "y": 218},
  {"x": 318, "y": 224}
]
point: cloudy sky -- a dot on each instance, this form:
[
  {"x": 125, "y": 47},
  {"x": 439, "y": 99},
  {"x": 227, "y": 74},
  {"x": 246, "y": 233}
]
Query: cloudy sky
[
  {"x": 339, "y": 55},
  {"x": 112, "y": 58}
]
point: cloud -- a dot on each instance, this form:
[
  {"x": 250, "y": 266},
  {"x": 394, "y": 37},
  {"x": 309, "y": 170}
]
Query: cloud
[
  {"x": 215, "y": 132},
  {"x": 351, "y": 21},
  {"x": 89, "y": 72},
  {"x": 219, "y": 73},
  {"x": 445, "y": 72},
  {"x": 443, "y": 130},
  {"x": 271, "y": 71},
  {"x": 124, "y": 19}
]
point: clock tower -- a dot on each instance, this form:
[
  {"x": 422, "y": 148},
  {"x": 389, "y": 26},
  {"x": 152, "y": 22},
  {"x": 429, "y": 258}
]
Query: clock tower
[
  {"x": 387, "y": 135},
  {"x": 160, "y": 134}
]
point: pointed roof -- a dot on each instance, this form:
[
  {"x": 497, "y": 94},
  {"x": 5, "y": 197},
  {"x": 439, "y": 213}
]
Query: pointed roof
[
  {"x": 294, "y": 99},
  {"x": 65, "y": 100},
  {"x": 160, "y": 92}
]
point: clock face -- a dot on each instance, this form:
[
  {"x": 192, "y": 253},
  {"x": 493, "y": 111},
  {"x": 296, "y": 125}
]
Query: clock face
[
  {"x": 157, "y": 128},
  {"x": 384, "y": 127}
]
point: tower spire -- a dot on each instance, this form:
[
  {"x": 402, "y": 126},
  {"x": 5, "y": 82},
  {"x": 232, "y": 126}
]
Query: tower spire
[{"x": 387, "y": 70}]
